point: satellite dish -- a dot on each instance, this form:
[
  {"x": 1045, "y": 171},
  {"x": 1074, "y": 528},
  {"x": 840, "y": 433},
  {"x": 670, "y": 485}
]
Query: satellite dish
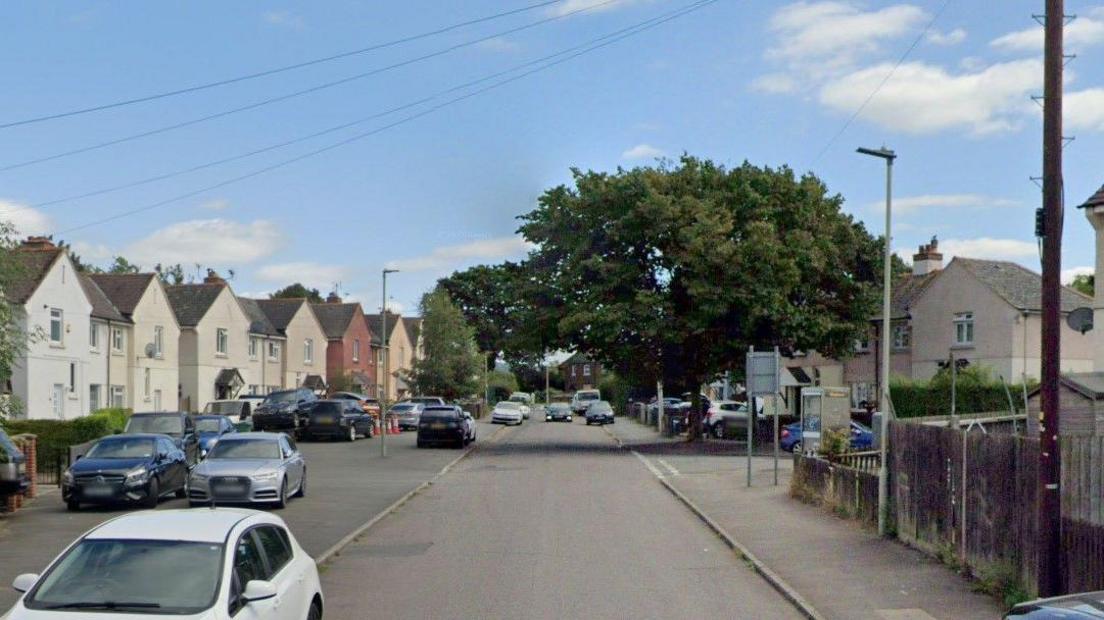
[
  {"x": 150, "y": 350},
  {"x": 1080, "y": 319}
]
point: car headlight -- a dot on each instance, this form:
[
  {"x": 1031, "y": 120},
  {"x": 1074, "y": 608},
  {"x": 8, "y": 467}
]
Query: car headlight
[
  {"x": 271, "y": 476},
  {"x": 67, "y": 477},
  {"x": 137, "y": 476}
]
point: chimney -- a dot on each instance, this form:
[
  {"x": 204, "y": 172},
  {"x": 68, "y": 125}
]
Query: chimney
[
  {"x": 38, "y": 243},
  {"x": 213, "y": 278},
  {"x": 1094, "y": 211},
  {"x": 333, "y": 298},
  {"x": 927, "y": 259}
]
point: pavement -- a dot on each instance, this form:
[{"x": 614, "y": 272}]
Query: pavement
[
  {"x": 840, "y": 568},
  {"x": 548, "y": 520},
  {"x": 348, "y": 485}
]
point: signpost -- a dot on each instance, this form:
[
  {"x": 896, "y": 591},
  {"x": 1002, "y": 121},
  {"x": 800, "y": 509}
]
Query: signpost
[{"x": 763, "y": 370}]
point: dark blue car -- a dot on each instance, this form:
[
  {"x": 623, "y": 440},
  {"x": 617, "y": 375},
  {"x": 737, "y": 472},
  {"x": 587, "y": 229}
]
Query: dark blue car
[
  {"x": 862, "y": 438},
  {"x": 210, "y": 428},
  {"x": 134, "y": 468}
]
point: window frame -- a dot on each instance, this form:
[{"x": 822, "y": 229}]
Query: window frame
[
  {"x": 159, "y": 341},
  {"x": 253, "y": 346},
  {"x": 59, "y": 319},
  {"x": 964, "y": 326},
  {"x": 902, "y": 337},
  {"x": 222, "y": 341},
  {"x": 273, "y": 351},
  {"x": 308, "y": 350},
  {"x": 118, "y": 343},
  {"x": 356, "y": 349},
  {"x": 94, "y": 337}
]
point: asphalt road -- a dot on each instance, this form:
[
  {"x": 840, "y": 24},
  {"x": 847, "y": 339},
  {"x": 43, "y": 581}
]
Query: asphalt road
[
  {"x": 347, "y": 484},
  {"x": 549, "y": 520}
]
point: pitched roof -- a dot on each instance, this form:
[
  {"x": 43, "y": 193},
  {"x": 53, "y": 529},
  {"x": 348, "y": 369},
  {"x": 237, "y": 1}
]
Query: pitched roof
[
  {"x": 335, "y": 318},
  {"x": 577, "y": 358},
  {"x": 33, "y": 266},
  {"x": 413, "y": 325},
  {"x": 124, "y": 290},
  {"x": 1019, "y": 286},
  {"x": 102, "y": 308},
  {"x": 1088, "y": 384},
  {"x": 190, "y": 302},
  {"x": 905, "y": 291},
  {"x": 280, "y": 311},
  {"x": 258, "y": 320},
  {"x": 375, "y": 325}
]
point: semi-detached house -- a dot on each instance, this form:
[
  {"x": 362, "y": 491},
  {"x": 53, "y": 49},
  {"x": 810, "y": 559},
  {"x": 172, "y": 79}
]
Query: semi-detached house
[
  {"x": 400, "y": 352},
  {"x": 304, "y": 361},
  {"x": 110, "y": 341},
  {"x": 349, "y": 350}
]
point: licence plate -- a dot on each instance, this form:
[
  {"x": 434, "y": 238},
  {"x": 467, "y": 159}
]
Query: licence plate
[
  {"x": 98, "y": 491},
  {"x": 234, "y": 489},
  {"x": 325, "y": 421},
  {"x": 437, "y": 426}
]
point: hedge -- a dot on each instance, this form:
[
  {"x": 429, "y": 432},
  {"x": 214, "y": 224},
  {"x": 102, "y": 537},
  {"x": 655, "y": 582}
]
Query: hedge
[
  {"x": 976, "y": 392},
  {"x": 55, "y": 436}
]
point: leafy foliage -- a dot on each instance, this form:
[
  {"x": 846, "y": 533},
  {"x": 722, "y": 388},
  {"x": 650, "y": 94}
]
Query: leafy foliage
[
  {"x": 298, "y": 291},
  {"x": 1085, "y": 283},
  {"x": 451, "y": 365},
  {"x": 55, "y": 436},
  {"x": 13, "y": 338},
  {"x": 501, "y": 384},
  {"x": 170, "y": 274},
  {"x": 976, "y": 391}
]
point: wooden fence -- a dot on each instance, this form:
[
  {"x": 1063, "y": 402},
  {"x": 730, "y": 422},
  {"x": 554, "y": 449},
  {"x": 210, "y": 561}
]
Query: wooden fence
[{"x": 845, "y": 490}]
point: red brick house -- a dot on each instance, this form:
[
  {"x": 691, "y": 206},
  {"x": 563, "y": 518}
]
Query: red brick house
[
  {"x": 580, "y": 373},
  {"x": 348, "y": 343}
]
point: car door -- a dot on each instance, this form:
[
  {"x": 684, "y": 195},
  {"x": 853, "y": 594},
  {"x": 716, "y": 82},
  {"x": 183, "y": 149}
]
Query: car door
[
  {"x": 190, "y": 441},
  {"x": 249, "y": 565},
  {"x": 288, "y": 576},
  {"x": 293, "y": 462}
]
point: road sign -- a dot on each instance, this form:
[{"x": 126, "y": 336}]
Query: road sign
[{"x": 763, "y": 373}]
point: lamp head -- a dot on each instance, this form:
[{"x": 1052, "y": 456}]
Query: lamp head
[{"x": 884, "y": 153}]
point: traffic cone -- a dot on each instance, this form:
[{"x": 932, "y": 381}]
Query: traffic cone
[{"x": 395, "y": 426}]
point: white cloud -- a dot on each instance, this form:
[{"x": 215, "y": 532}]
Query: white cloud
[
  {"x": 776, "y": 84},
  {"x": 594, "y": 6},
  {"x": 912, "y": 204},
  {"x": 990, "y": 248},
  {"x": 218, "y": 204},
  {"x": 954, "y": 37},
  {"x": 1069, "y": 274},
  {"x": 311, "y": 275},
  {"x": 92, "y": 251},
  {"x": 284, "y": 18},
  {"x": 448, "y": 257},
  {"x": 218, "y": 242},
  {"x": 923, "y": 98},
  {"x": 498, "y": 44},
  {"x": 642, "y": 151},
  {"x": 1085, "y": 31},
  {"x": 27, "y": 221},
  {"x": 1084, "y": 110}
]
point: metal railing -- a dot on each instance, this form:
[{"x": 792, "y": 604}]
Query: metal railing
[{"x": 868, "y": 461}]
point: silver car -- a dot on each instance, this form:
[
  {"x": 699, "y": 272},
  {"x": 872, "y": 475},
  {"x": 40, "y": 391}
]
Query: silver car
[
  {"x": 249, "y": 468},
  {"x": 409, "y": 414}
]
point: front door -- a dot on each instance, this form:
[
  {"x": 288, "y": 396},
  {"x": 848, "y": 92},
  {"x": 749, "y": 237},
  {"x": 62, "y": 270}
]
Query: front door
[
  {"x": 157, "y": 400},
  {"x": 59, "y": 401}
]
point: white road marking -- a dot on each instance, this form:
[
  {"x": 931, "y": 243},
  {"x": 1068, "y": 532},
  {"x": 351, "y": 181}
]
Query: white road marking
[
  {"x": 674, "y": 472},
  {"x": 904, "y": 614},
  {"x": 648, "y": 464}
]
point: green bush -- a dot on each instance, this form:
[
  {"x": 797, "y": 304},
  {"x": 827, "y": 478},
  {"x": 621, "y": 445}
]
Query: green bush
[
  {"x": 55, "y": 436},
  {"x": 615, "y": 390},
  {"x": 976, "y": 392}
]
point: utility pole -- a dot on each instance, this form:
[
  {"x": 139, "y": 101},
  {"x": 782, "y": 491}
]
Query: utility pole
[
  {"x": 547, "y": 400},
  {"x": 386, "y": 365},
  {"x": 1049, "y": 549}
]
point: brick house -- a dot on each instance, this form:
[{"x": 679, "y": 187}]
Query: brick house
[
  {"x": 348, "y": 344},
  {"x": 580, "y": 373}
]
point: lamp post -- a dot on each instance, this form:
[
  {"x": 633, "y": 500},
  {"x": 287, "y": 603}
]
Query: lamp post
[
  {"x": 883, "y": 374},
  {"x": 386, "y": 365}
]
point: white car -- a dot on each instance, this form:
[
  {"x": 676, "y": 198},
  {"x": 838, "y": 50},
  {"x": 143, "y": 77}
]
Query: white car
[
  {"x": 507, "y": 412},
  {"x": 209, "y": 564},
  {"x": 525, "y": 399}
]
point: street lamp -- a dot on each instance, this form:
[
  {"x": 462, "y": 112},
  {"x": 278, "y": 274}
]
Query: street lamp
[
  {"x": 386, "y": 365},
  {"x": 883, "y": 376}
]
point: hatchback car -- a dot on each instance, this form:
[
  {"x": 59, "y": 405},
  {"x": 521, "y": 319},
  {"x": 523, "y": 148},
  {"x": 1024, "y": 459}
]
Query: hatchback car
[
  {"x": 599, "y": 412},
  {"x": 445, "y": 424},
  {"x": 507, "y": 412},
  {"x": 1084, "y": 605},
  {"x": 408, "y": 415},
  {"x": 337, "y": 419},
  {"x": 126, "y": 468},
  {"x": 176, "y": 424},
  {"x": 211, "y": 428},
  {"x": 250, "y": 468},
  {"x": 862, "y": 438},
  {"x": 213, "y": 564},
  {"x": 285, "y": 410},
  {"x": 558, "y": 412},
  {"x": 13, "y": 467}
]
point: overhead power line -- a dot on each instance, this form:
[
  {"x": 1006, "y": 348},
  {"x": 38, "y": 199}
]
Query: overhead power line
[
  {"x": 632, "y": 31},
  {"x": 276, "y": 70},
  {"x": 305, "y": 91},
  {"x": 328, "y": 130}
]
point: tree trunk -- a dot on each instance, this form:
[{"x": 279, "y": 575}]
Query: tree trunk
[{"x": 694, "y": 418}]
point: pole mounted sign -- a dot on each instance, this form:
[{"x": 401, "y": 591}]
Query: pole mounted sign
[{"x": 762, "y": 373}]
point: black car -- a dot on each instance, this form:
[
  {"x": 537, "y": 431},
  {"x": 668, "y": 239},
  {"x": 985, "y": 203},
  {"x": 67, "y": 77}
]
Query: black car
[
  {"x": 130, "y": 468},
  {"x": 285, "y": 410},
  {"x": 337, "y": 419},
  {"x": 1070, "y": 607},
  {"x": 13, "y": 467},
  {"x": 558, "y": 412},
  {"x": 444, "y": 424},
  {"x": 599, "y": 412},
  {"x": 176, "y": 424}
]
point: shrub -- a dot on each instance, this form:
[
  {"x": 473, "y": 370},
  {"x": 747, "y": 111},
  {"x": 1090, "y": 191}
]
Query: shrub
[
  {"x": 834, "y": 443},
  {"x": 55, "y": 436},
  {"x": 976, "y": 392}
]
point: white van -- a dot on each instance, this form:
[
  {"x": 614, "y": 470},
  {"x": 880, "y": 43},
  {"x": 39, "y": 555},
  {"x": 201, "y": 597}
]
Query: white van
[{"x": 582, "y": 399}]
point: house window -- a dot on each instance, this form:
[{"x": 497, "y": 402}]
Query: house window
[
  {"x": 253, "y": 345},
  {"x": 964, "y": 328},
  {"x": 586, "y": 370},
  {"x": 356, "y": 350},
  {"x": 146, "y": 391},
  {"x": 308, "y": 351},
  {"x": 902, "y": 336},
  {"x": 94, "y": 337},
  {"x": 117, "y": 395},
  {"x": 573, "y": 370},
  {"x": 254, "y": 389},
  {"x": 221, "y": 341},
  {"x": 158, "y": 341},
  {"x": 72, "y": 377},
  {"x": 116, "y": 340},
  {"x": 273, "y": 351},
  {"x": 862, "y": 345},
  {"x": 56, "y": 329},
  {"x": 94, "y": 396}
]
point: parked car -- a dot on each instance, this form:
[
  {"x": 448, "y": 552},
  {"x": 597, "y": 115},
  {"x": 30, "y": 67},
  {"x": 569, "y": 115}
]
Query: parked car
[
  {"x": 599, "y": 412},
  {"x": 862, "y": 438},
  {"x": 337, "y": 419},
  {"x": 250, "y": 468},
  {"x": 13, "y": 467},
  {"x": 558, "y": 412},
  {"x": 408, "y": 414},
  {"x": 211, "y": 428},
  {"x": 726, "y": 418},
  {"x": 176, "y": 424},
  {"x": 445, "y": 424},
  {"x": 425, "y": 400},
  {"x": 669, "y": 403},
  {"x": 253, "y": 399},
  {"x": 525, "y": 399},
  {"x": 507, "y": 412},
  {"x": 1083, "y": 605},
  {"x": 239, "y": 411},
  {"x": 368, "y": 404},
  {"x": 582, "y": 399},
  {"x": 285, "y": 410},
  {"x": 213, "y": 564},
  {"x": 126, "y": 468}
]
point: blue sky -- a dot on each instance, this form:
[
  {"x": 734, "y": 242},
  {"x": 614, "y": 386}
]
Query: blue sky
[{"x": 769, "y": 82}]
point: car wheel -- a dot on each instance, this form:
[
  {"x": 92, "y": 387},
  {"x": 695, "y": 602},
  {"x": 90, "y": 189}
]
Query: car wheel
[
  {"x": 352, "y": 433},
  {"x": 182, "y": 492},
  {"x": 281, "y": 501},
  {"x": 796, "y": 448},
  {"x": 302, "y": 490},
  {"x": 719, "y": 430},
  {"x": 315, "y": 613},
  {"x": 72, "y": 505},
  {"x": 153, "y": 494}
]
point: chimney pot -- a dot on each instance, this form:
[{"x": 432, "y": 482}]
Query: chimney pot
[
  {"x": 213, "y": 278},
  {"x": 38, "y": 243},
  {"x": 333, "y": 298}
]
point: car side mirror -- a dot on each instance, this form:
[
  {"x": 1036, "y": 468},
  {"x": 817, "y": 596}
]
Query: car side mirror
[
  {"x": 79, "y": 456},
  {"x": 24, "y": 582},
  {"x": 258, "y": 590}
]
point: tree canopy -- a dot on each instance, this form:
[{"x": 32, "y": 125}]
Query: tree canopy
[
  {"x": 298, "y": 291},
  {"x": 451, "y": 365},
  {"x": 1085, "y": 283}
]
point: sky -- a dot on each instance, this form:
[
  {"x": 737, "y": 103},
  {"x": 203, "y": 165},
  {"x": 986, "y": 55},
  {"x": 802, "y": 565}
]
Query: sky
[{"x": 438, "y": 184}]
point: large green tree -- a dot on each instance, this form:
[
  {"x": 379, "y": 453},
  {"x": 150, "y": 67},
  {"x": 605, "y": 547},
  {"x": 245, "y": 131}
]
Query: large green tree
[
  {"x": 1085, "y": 283},
  {"x": 451, "y": 365},
  {"x": 298, "y": 291},
  {"x": 13, "y": 338},
  {"x": 671, "y": 272}
]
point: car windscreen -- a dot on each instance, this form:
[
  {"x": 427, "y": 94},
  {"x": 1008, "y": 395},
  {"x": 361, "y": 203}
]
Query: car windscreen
[
  {"x": 438, "y": 414},
  {"x": 328, "y": 408},
  {"x": 586, "y": 396},
  {"x": 282, "y": 397},
  {"x": 223, "y": 408},
  {"x": 171, "y": 425},
  {"x": 208, "y": 425},
  {"x": 407, "y": 408},
  {"x": 600, "y": 406},
  {"x": 508, "y": 405},
  {"x": 140, "y": 576},
  {"x": 122, "y": 447},
  {"x": 519, "y": 399},
  {"x": 245, "y": 449},
  {"x": 8, "y": 451},
  {"x": 558, "y": 408}
]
